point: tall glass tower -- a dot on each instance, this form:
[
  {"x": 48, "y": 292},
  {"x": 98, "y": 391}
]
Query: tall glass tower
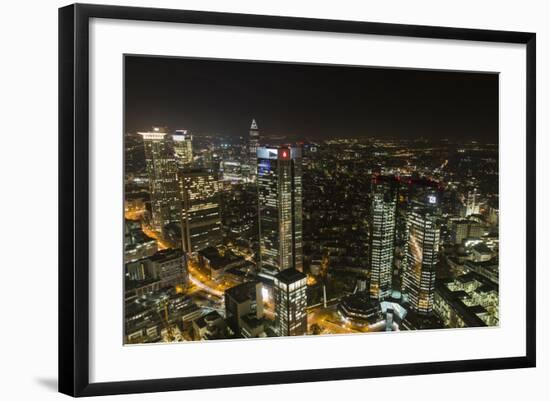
[
  {"x": 161, "y": 170},
  {"x": 253, "y": 145},
  {"x": 201, "y": 217},
  {"x": 422, "y": 252},
  {"x": 183, "y": 147},
  {"x": 382, "y": 235},
  {"x": 280, "y": 208}
]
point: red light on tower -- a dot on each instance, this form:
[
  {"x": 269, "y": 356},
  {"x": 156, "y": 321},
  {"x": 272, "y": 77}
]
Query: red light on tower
[{"x": 285, "y": 154}]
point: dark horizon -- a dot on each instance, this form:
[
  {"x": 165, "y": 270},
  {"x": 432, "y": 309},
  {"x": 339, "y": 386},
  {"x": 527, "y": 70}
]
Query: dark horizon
[{"x": 309, "y": 100}]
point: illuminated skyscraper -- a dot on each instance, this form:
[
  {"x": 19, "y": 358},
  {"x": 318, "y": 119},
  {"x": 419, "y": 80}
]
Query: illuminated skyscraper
[
  {"x": 280, "y": 208},
  {"x": 201, "y": 219},
  {"x": 290, "y": 303},
  {"x": 183, "y": 147},
  {"x": 161, "y": 170},
  {"x": 253, "y": 145},
  {"x": 382, "y": 236},
  {"x": 472, "y": 203},
  {"x": 422, "y": 252}
]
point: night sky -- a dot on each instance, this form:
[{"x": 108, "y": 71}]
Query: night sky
[{"x": 310, "y": 101}]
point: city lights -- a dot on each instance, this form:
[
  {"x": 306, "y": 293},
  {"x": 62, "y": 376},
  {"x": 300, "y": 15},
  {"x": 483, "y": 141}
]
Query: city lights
[{"x": 241, "y": 227}]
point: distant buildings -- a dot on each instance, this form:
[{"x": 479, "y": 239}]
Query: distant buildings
[
  {"x": 422, "y": 252},
  {"x": 382, "y": 236},
  {"x": 280, "y": 209},
  {"x": 161, "y": 171},
  {"x": 290, "y": 302},
  {"x": 183, "y": 147},
  {"x": 370, "y": 252},
  {"x": 201, "y": 219},
  {"x": 472, "y": 203},
  {"x": 232, "y": 171}
]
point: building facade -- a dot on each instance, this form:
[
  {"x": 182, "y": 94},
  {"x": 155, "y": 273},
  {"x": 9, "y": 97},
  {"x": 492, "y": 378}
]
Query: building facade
[
  {"x": 169, "y": 266},
  {"x": 290, "y": 303},
  {"x": 422, "y": 252},
  {"x": 280, "y": 209},
  {"x": 243, "y": 302},
  {"x": 253, "y": 145},
  {"x": 161, "y": 171},
  {"x": 382, "y": 236},
  {"x": 201, "y": 219},
  {"x": 183, "y": 147}
]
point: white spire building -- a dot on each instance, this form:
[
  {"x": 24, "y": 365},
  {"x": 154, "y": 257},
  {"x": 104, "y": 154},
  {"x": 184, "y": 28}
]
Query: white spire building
[{"x": 253, "y": 145}]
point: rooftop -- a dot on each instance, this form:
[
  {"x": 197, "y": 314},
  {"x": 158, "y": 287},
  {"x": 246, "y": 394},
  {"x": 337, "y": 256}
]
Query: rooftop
[
  {"x": 481, "y": 248},
  {"x": 242, "y": 292},
  {"x": 290, "y": 276},
  {"x": 165, "y": 255}
]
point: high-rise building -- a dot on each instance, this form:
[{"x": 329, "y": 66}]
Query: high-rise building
[
  {"x": 183, "y": 147},
  {"x": 231, "y": 170},
  {"x": 472, "y": 203},
  {"x": 253, "y": 145},
  {"x": 422, "y": 252},
  {"x": 280, "y": 209},
  {"x": 201, "y": 219},
  {"x": 382, "y": 236},
  {"x": 161, "y": 170},
  {"x": 290, "y": 303}
]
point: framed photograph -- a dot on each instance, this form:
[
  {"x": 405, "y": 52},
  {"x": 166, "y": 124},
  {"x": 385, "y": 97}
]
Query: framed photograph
[{"x": 250, "y": 199}]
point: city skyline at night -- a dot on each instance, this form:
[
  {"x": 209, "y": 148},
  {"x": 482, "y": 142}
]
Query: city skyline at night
[
  {"x": 312, "y": 101},
  {"x": 270, "y": 199}
]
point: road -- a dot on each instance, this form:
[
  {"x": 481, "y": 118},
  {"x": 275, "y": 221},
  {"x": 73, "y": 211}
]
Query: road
[
  {"x": 201, "y": 278},
  {"x": 331, "y": 322}
]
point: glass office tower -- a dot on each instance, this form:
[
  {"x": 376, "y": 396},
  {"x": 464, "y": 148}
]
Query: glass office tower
[{"x": 280, "y": 208}]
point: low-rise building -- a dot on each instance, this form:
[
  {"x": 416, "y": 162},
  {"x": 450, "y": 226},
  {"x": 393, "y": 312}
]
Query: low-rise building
[
  {"x": 471, "y": 300},
  {"x": 169, "y": 266},
  {"x": 137, "y": 245},
  {"x": 218, "y": 262},
  {"x": 244, "y": 301},
  {"x": 209, "y": 327}
]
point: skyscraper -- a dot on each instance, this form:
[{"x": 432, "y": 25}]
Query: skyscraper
[
  {"x": 382, "y": 236},
  {"x": 422, "y": 252},
  {"x": 183, "y": 147},
  {"x": 201, "y": 219},
  {"x": 472, "y": 203},
  {"x": 161, "y": 170},
  {"x": 290, "y": 303},
  {"x": 280, "y": 208},
  {"x": 253, "y": 145}
]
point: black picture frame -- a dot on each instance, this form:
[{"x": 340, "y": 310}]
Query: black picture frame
[{"x": 74, "y": 199}]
